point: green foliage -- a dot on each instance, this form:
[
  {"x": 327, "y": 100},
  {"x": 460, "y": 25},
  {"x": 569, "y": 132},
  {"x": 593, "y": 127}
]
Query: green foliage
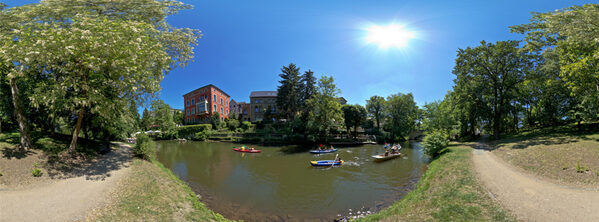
[
  {"x": 201, "y": 136},
  {"x": 439, "y": 116},
  {"x": 145, "y": 147},
  {"x": 232, "y": 124},
  {"x": 375, "y": 107},
  {"x": 215, "y": 121},
  {"x": 246, "y": 125},
  {"x": 354, "y": 116},
  {"x": 434, "y": 143},
  {"x": 190, "y": 131},
  {"x": 325, "y": 111},
  {"x": 35, "y": 171},
  {"x": 402, "y": 114},
  {"x": 289, "y": 93}
]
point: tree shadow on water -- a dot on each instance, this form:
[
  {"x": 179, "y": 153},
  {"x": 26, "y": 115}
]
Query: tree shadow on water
[{"x": 95, "y": 169}]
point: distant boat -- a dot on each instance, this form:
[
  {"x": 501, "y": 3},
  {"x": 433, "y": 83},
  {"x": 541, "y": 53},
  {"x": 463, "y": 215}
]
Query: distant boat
[
  {"x": 251, "y": 150},
  {"x": 382, "y": 157},
  {"x": 326, "y": 163},
  {"x": 323, "y": 151}
]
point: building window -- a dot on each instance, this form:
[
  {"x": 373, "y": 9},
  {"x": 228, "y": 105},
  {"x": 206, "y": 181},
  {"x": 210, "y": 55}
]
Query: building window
[
  {"x": 221, "y": 100},
  {"x": 193, "y": 110},
  {"x": 257, "y": 110},
  {"x": 214, "y": 98},
  {"x": 188, "y": 112},
  {"x": 193, "y": 102},
  {"x": 214, "y": 110},
  {"x": 221, "y": 110}
]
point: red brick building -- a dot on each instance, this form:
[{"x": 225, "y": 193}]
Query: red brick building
[{"x": 203, "y": 102}]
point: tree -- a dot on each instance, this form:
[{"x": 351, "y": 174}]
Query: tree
[
  {"x": 402, "y": 115},
  {"x": 354, "y": 116},
  {"x": 215, "y": 120},
  {"x": 107, "y": 51},
  {"x": 146, "y": 120},
  {"x": 572, "y": 34},
  {"x": 309, "y": 85},
  {"x": 500, "y": 67},
  {"x": 325, "y": 111},
  {"x": 375, "y": 106},
  {"x": 438, "y": 116},
  {"x": 289, "y": 93}
]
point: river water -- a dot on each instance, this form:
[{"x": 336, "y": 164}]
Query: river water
[{"x": 277, "y": 185}]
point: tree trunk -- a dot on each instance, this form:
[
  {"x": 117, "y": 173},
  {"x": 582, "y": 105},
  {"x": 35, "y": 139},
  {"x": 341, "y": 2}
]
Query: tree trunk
[
  {"x": 0, "y": 126},
  {"x": 76, "y": 132},
  {"x": 21, "y": 119}
]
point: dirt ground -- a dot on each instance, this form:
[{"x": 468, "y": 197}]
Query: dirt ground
[
  {"x": 531, "y": 198},
  {"x": 61, "y": 194}
]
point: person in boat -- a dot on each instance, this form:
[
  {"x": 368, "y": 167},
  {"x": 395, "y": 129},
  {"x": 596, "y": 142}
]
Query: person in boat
[
  {"x": 386, "y": 152},
  {"x": 338, "y": 160},
  {"x": 243, "y": 147},
  {"x": 332, "y": 148}
]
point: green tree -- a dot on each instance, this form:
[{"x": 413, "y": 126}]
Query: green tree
[
  {"x": 438, "y": 116},
  {"x": 375, "y": 106},
  {"x": 289, "y": 94},
  {"x": 146, "y": 120},
  {"x": 402, "y": 114},
  {"x": 215, "y": 120},
  {"x": 354, "y": 116},
  {"x": 309, "y": 85},
  {"x": 572, "y": 34},
  {"x": 325, "y": 111},
  {"x": 499, "y": 67}
]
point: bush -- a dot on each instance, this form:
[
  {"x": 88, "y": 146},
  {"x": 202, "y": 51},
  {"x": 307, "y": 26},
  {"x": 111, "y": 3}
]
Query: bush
[
  {"x": 200, "y": 136},
  {"x": 188, "y": 132},
  {"x": 145, "y": 147},
  {"x": 36, "y": 172},
  {"x": 232, "y": 124},
  {"x": 434, "y": 143},
  {"x": 246, "y": 125}
]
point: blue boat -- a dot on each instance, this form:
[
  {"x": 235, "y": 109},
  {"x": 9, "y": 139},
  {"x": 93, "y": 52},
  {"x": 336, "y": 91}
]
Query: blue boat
[
  {"x": 323, "y": 151},
  {"x": 326, "y": 163}
]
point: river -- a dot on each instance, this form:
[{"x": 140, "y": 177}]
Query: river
[{"x": 276, "y": 185}]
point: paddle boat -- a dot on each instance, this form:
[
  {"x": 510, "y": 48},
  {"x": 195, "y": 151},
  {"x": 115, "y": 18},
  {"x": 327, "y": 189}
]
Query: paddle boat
[
  {"x": 326, "y": 163},
  {"x": 323, "y": 151},
  {"x": 382, "y": 157},
  {"x": 247, "y": 150}
]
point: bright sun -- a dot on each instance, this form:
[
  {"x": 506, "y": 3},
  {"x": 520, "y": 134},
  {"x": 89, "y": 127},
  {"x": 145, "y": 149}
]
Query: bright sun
[{"x": 389, "y": 36}]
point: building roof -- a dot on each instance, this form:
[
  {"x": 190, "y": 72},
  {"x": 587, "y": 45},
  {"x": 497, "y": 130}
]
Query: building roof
[
  {"x": 263, "y": 94},
  {"x": 209, "y": 85}
]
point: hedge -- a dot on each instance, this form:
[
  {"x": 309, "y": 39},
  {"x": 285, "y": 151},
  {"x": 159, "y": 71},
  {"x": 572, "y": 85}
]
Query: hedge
[{"x": 188, "y": 132}]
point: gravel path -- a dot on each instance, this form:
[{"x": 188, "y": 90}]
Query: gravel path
[
  {"x": 532, "y": 199},
  {"x": 67, "y": 199}
]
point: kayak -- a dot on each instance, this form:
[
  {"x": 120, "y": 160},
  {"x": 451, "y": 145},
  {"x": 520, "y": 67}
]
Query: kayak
[
  {"x": 246, "y": 150},
  {"x": 382, "y": 157},
  {"x": 322, "y": 151},
  {"x": 325, "y": 163}
]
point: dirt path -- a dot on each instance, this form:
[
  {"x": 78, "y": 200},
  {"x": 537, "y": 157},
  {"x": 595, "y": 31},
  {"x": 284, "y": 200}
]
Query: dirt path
[
  {"x": 532, "y": 199},
  {"x": 67, "y": 199}
]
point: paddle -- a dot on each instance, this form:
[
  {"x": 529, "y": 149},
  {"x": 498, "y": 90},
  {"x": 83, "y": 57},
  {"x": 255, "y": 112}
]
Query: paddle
[{"x": 332, "y": 164}]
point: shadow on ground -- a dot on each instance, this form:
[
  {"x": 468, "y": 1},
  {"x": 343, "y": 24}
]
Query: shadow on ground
[
  {"x": 15, "y": 152},
  {"x": 95, "y": 169}
]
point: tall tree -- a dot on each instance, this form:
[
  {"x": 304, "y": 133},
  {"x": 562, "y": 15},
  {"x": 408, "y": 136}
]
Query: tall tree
[
  {"x": 375, "y": 106},
  {"x": 500, "y": 67},
  {"x": 146, "y": 120},
  {"x": 325, "y": 111},
  {"x": 289, "y": 93},
  {"x": 309, "y": 85},
  {"x": 354, "y": 116},
  {"x": 402, "y": 113},
  {"x": 572, "y": 33}
]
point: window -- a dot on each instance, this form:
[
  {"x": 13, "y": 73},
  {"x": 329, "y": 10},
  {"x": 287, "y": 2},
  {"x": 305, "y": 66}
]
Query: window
[
  {"x": 214, "y": 98},
  {"x": 193, "y": 102},
  {"x": 188, "y": 112},
  {"x": 221, "y": 100},
  {"x": 187, "y": 102},
  {"x": 193, "y": 110},
  {"x": 214, "y": 110},
  {"x": 221, "y": 110}
]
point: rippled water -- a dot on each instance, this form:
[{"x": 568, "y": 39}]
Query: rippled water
[{"x": 275, "y": 186}]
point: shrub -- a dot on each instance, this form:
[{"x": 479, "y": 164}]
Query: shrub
[
  {"x": 200, "y": 136},
  {"x": 434, "y": 143},
  {"x": 188, "y": 132},
  {"x": 246, "y": 125},
  {"x": 232, "y": 124},
  {"x": 145, "y": 147},
  {"x": 36, "y": 172}
]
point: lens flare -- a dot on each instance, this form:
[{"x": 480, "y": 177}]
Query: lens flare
[{"x": 389, "y": 36}]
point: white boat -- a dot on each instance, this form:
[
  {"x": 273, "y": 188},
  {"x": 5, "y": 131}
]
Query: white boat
[{"x": 382, "y": 157}]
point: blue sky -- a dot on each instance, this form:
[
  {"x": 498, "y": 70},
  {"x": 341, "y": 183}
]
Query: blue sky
[{"x": 245, "y": 43}]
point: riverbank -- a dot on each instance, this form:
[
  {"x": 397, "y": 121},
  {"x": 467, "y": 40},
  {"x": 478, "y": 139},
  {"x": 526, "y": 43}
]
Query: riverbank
[
  {"x": 448, "y": 191},
  {"x": 152, "y": 192},
  {"x": 559, "y": 154}
]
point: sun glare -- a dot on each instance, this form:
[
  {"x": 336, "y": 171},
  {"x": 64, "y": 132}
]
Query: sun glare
[{"x": 389, "y": 36}]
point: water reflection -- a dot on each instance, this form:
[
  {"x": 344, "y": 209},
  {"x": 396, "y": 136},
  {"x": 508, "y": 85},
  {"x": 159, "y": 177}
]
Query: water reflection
[{"x": 275, "y": 185}]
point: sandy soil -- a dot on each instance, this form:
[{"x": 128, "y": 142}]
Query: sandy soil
[
  {"x": 70, "y": 195},
  {"x": 531, "y": 198}
]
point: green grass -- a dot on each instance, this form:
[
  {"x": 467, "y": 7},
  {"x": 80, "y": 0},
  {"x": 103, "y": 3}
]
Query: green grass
[
  {"x": 448, "y": 191},
  {"x": 153, "y": 193}
]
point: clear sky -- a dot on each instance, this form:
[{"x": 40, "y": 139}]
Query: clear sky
[{"x": 245, "y": 43}]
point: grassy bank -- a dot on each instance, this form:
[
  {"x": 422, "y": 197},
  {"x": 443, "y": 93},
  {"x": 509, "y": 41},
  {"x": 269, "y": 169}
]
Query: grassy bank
[
  {"x": 153, "y": 193},
  {"x": 561, "y": 154},
  {"x": 448, "y": 191}
]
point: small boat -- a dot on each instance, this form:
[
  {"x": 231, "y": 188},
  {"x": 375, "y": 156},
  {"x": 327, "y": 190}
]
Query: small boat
[
  {"x": 251, "y": 150},
  {"x": 326, "y": 163},
  {"x": 382, "y": 157},
  {"x": 323, "y": 151}
]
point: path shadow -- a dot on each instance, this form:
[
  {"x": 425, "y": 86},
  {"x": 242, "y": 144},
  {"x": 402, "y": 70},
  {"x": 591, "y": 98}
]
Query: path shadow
[
  {"x": 95, "y": 169},
  {"x": 542, "y": 140},
  {"x": 15, "y": 152}
]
